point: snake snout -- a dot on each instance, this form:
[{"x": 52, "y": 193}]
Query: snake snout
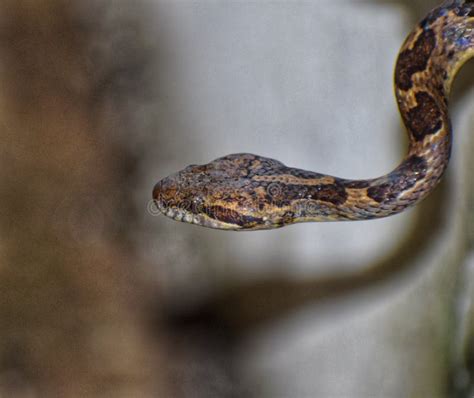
[
  {"x": 157, "y": 190},
  {"x": 165, "y": 192},
  {"x": 158, "y": 196}
]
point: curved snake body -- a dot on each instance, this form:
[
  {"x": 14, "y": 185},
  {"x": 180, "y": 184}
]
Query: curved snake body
[{"x": 251, "y": 192}]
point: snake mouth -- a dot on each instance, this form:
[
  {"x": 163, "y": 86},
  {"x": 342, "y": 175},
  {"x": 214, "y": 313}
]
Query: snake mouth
[
  {"x": 189, "y": 217},
  {"x": 180, "y": 215},
  {"x": 185, "y": 212},
  {"x": 168, "y": 207}
]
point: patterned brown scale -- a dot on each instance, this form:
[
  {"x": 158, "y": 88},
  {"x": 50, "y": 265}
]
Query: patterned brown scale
[{"x": 251, "y": 192}]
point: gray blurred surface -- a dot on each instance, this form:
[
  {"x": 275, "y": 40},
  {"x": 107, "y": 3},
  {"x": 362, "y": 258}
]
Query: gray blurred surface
[{"x": 368, "y": 309}]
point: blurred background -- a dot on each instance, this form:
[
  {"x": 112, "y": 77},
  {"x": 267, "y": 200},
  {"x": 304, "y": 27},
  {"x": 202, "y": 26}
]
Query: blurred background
[{"x": 100, "y": 296}]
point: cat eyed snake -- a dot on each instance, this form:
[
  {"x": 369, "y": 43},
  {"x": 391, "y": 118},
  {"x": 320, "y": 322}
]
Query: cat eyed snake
[{"x": 250, "y": 192}]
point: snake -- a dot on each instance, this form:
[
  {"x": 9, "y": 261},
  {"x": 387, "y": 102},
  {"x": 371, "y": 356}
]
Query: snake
[{"x": 249, "y": 192}]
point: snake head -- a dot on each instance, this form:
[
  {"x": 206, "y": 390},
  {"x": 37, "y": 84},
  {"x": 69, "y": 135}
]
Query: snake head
[
  {"x": 221, "y": 194},
  {"x": 183, "y": 196}
]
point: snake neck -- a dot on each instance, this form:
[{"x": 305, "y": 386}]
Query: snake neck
[{"x": 427, "y": 64}]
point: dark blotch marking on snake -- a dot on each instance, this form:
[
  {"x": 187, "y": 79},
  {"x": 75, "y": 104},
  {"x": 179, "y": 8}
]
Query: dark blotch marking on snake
[
  {"x": 299, "y": 173},
  {"x": 414, "y": 60},
  {"x": 360, "y": 184},
  {"x": 401, "y": 179},
  {"x": 466, "y": 9},
  {"x": 432, "y": 17},
  {"x": 330, "y": 193},
  {"x": 425, "y": 118},
  {"x": 230, "y": 216}
]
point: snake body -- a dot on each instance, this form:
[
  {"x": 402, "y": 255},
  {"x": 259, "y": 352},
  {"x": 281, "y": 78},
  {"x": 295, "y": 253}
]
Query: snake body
[{"x": 251, "y": 192}]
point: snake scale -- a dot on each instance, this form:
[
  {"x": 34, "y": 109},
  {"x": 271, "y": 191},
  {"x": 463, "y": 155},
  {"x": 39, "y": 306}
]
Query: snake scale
[{"x": 251, "y": 192}]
